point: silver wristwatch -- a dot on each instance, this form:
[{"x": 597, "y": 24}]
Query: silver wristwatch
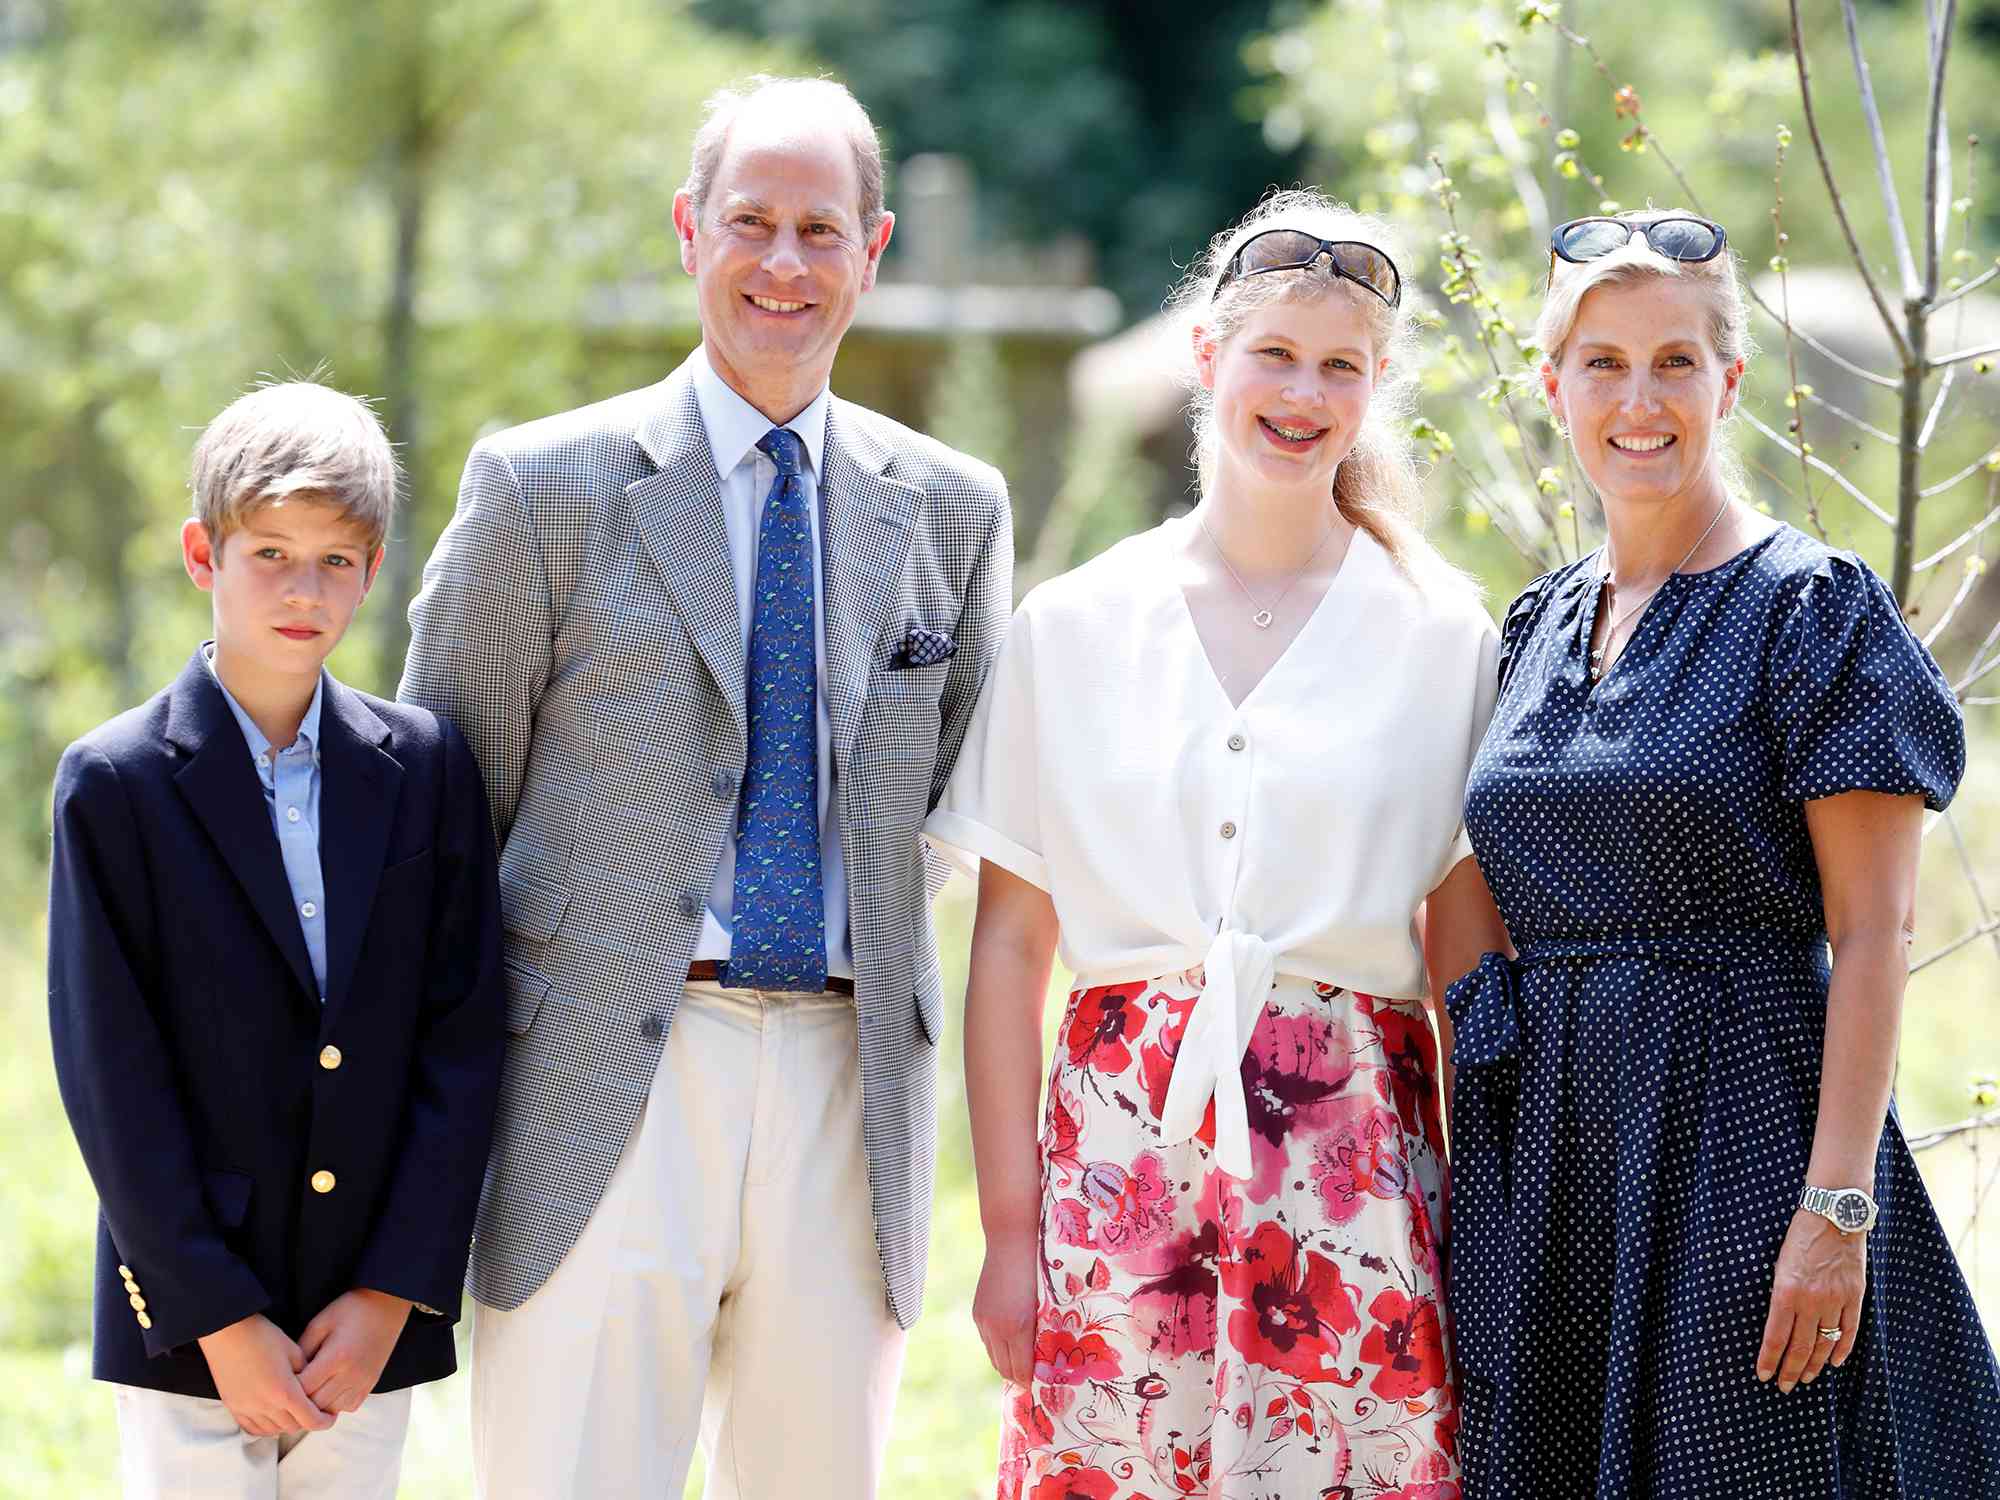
[{"x": 1850, "y": 1210}]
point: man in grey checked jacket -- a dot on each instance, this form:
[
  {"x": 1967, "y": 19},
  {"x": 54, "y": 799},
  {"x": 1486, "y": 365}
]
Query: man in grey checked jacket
[{"x": 708, "y": 1203}]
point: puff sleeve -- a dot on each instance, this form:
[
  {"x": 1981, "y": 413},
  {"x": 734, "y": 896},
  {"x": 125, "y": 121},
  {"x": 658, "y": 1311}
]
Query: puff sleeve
[
  {"x": 991, "y": 807},
  {"x": 1856, "y": 702},
  {"x": 1518, "y": 624}
]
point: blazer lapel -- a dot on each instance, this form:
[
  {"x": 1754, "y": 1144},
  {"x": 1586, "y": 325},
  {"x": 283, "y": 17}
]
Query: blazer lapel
[
  {"x": 867, "y": 520},
  {"x": 221, "y": 787},
  {"x": 679, "y": 511},
  {"x": 360, "y": 785}
]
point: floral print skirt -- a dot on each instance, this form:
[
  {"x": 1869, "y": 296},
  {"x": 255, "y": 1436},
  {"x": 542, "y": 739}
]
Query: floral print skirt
[{"x": 1265, "y": 1338}]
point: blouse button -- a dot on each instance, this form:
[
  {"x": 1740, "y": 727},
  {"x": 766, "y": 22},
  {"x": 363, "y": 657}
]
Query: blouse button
[
  {"x": 1237, "y": 742},
  {"x": 1228, "y": 830}
]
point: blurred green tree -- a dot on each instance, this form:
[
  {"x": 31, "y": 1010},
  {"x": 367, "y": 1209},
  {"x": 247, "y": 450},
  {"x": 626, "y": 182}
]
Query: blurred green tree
[
  {"x": 1134, "y": 126},
  {"x": 437, "y": 203}
]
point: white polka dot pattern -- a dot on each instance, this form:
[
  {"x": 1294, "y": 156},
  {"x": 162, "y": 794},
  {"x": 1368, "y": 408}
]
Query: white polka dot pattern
[{"x": 1637, "y": 1091}]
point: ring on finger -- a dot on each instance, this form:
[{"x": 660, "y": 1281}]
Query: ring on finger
[{"x": 1830, "y": 1333}]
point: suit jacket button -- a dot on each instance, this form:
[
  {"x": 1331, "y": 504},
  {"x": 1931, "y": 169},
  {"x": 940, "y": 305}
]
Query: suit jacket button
[
  {"x": 725, "y": 785},
  {"x": 652, "y": 1028},
  {"x": 690, "y": 904},
  {"x": 138, "y": 1302},
  {"x": 329, "y": 1058},
  {"x": 125, "y": 1273},
  {"x": 322, "y": 1181},
  {"x": 144, "y": 1321}
]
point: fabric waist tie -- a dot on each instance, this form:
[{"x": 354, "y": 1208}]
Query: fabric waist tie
[
  {"x": 1240, "y": 970},
  {"x": 1482, "y": 1003}
]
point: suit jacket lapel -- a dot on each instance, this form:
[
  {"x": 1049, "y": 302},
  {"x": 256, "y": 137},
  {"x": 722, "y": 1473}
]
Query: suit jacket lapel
[
  {"x": 221, "y": 787},
  {"x": 867, "y": 520},
  {"x": 679, "y": 511},
  {"x": 360, "y": 785}
]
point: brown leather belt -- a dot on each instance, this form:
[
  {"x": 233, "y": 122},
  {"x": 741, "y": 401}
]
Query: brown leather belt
[{"x": 707, "y": 969}]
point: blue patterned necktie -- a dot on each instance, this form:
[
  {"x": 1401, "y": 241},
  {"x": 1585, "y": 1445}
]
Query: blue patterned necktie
[{"x": 778, "y": 921}]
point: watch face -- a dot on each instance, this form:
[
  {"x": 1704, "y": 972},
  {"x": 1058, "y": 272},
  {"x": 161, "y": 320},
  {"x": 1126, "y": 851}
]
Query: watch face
[{"x": 1850, "y": 1211}]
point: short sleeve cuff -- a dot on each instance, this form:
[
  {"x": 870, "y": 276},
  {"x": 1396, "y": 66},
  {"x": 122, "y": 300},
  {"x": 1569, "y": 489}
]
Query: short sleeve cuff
[
  {"x": 1461, "y": 848},
  {"x": 985, "y": 843}
]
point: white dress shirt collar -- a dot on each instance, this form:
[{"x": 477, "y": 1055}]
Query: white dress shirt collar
[{"x": 735, "y": 427}]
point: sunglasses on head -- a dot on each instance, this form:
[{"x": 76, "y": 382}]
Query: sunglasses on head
[
  {"x": 1680, "y": 237},
  {"x": 1294, "y": 250}
]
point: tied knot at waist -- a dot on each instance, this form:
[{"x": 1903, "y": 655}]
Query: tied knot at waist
[
  {"x": 1484, "y": 1003},
  {"x": 1240, "y": 970}
]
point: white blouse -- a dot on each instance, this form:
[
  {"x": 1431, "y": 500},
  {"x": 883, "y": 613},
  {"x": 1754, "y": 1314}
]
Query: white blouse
[{"x": 1296, "y": 834}]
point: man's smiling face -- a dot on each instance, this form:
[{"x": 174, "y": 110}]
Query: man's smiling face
[{"x": 779, "y": 258}]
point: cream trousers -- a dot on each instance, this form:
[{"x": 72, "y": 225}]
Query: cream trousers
[
  {"x": 188, "y": 1448},
  {"x": 727, "y": 1288}
]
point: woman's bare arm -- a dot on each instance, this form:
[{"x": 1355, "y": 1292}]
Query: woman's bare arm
[
  {"x": 1866, "y": 845},
  {"x": 1013, "y": 947}
]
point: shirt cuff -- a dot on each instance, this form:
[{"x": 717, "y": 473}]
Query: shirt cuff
[{"x": 986, "y": 843}]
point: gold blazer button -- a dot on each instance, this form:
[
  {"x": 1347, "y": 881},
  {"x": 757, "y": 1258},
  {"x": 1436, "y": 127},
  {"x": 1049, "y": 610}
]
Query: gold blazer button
[
  {"x": 322, "y": 1181},
  {"x": 144, "y": 1321},
  {"x": 329, "y": 1058},
  {"x": 125, "y": 1273},
  {"x": 138, "y": 1302}
]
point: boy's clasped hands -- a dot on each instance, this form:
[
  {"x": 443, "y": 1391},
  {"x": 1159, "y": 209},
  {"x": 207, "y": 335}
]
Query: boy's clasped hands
[{"x": 271, "y": 1385}]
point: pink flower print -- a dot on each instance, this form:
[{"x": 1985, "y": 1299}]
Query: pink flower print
[
  {"x": 1104, "y": 1020},
  {"x": 1116, "y": 1208},
  {"x": 1065, "y": 1358},
  {"x": 1360, "y": 1156},
  {"x": 1174, "y": 1305},
  {"x": 1409, "y": 1083},
  {"x": 1294, "y": 1074}
]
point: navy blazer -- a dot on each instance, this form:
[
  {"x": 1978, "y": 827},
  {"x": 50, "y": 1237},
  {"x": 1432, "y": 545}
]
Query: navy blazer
[{"x": 253, "y": 1150}]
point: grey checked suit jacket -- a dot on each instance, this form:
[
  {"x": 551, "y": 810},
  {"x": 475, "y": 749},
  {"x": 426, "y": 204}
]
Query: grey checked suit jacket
[{"x": 578, "y": 623}]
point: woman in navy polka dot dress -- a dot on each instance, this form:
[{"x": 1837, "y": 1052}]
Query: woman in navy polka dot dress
[{"x": 1713, "y": 746}]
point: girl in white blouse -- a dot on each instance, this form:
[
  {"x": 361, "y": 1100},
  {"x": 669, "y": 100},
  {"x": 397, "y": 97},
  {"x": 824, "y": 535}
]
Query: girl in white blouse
[{"x": 1222, "y": 765}]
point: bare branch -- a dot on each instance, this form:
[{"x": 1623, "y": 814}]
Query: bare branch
[
  {"x": 1977, "y": 352},
  {"x": 1853, "y": 421},
  {"x": 1832, "y": 356},
  {"x": 1889, "y": 323},
  {"x": 1974, "y": 677},
  {"x": 1937, "y": 409},
  {"x": 1822, "y": 465},
  {"x": 1899, "y": 234},
  {"x": 1967, "y": 537},
  {"x": 1944, "y": 1133},
  {"x": 1971, "y": 872},
  {"x": 1969, "y": 287},
  {"x": 1979, "y": 656},
  {"x": 1784, "y": 264},
  {"x": 1965, "y": 587},
  {"x": 1957, "y": 479},
  {"x": 1490, "y": 325},
  {"x": 1514, "y": 151},
  {"x": 1934, "y": 144}
]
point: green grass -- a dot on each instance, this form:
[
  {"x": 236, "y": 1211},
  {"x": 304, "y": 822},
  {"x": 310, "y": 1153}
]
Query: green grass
[{"x": 57, "y": 1434}]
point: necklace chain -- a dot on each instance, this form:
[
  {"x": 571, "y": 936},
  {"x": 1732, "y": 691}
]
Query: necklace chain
[
  {"x": 1263, "y": 616},
  {"x": 1618, "y": 620}
]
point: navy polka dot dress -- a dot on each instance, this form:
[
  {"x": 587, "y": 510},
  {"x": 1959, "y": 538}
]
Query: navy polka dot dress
[{"x": 1636, "y": 1093}]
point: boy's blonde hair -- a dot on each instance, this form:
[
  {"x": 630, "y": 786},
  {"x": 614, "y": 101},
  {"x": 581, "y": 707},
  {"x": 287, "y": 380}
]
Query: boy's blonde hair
[{"x": 294, "y": 438}]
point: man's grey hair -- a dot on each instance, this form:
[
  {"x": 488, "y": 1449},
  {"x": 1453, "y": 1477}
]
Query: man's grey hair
[
  {"x": 823, "y": 100},
  {"x": 294, "y": 438}
]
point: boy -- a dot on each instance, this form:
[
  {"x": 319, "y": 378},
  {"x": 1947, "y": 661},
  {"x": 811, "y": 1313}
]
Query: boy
[{"x": 275, "y": 996}]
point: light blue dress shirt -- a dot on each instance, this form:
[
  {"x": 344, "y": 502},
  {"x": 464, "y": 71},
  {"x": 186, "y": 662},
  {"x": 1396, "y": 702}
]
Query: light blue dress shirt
[
  {"x": 291, "y": 782},
  {"x": 734, "y": 427}
]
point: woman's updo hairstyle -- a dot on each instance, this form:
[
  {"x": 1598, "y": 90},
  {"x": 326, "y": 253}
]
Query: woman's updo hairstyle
[{"x": 1377, "y": 487}]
